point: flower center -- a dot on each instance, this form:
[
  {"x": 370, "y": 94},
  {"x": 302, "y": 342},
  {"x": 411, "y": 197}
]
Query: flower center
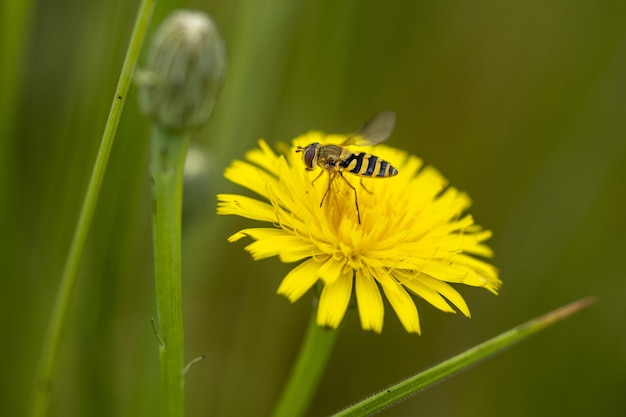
[{"x": 353, "y": 256}]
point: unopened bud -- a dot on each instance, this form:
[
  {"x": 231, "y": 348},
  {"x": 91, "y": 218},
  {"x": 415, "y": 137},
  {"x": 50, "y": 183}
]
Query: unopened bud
[{"x": 184, "y": 73}]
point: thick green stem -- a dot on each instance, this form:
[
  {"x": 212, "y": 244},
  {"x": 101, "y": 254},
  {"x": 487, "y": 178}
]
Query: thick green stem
[
  {"x": 168, "y": 161},
  {"x": 47, "y": 361},
  {"x": 308, "y": 370}
]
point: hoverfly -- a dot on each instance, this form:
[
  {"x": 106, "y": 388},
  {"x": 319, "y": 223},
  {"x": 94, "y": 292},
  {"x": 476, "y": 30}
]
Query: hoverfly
[{"x": 335, "y": 159}]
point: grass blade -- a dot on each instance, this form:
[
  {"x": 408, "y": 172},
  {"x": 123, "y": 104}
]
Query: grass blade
[{"x": 423, "y": 380}]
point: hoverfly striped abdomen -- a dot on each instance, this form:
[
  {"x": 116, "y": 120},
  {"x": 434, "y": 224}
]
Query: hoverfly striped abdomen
[{"x": 367, "y": 165}]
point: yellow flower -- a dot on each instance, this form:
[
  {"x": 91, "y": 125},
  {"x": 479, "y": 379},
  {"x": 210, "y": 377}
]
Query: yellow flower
[{"x": 413, "y": 237}]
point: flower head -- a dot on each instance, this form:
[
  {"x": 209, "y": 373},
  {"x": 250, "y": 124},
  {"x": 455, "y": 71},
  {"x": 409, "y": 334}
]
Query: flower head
[
  {"x": 413, "y": 238},
  {"x": 184, "y": 72}
]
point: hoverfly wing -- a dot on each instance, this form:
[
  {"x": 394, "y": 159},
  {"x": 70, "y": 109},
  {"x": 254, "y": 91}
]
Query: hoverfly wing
[{"x": 376, "y": 130}]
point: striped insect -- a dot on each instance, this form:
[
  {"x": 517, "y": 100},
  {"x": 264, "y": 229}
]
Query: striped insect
[{"x": 336, "y": 159}]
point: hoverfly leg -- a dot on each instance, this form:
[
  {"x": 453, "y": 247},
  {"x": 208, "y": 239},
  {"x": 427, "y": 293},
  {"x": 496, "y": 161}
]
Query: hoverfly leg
[
  {"x": 356, "y": 199},
  {"x": 330, "y": 180},
  {"x": 364, "y": 187},
  {"x": 319, "y": 175}
]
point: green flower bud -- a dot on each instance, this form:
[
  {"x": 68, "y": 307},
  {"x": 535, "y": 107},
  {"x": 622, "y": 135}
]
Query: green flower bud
[{"x": 184, "y": 73}]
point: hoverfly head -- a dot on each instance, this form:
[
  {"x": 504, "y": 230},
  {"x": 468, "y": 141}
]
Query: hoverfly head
[{"x": 309, "y": 155}]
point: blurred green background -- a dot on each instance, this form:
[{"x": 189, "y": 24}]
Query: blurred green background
[{"x": 521, "y": 104}]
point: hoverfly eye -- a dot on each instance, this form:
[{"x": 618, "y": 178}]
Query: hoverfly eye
[{"x": 309, "y": 155}]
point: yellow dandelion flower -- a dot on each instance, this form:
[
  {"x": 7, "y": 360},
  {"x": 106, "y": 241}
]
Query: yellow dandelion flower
[{"x": 412, "y": 238}]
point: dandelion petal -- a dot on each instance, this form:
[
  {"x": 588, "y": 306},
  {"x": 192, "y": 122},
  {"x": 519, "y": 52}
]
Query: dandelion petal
[
  {"x": 334, "y": 301},
  {"x": 299, "y": 280},
  {"x": 245, "y": 207},
  {"x": 401, "y": 302},
  {"x": 272, "y": 242},
  {"x": 370, "y": 302},
  {"x": 447, "y": 291},
  {"x": 428, "y": 293},
  {"x": 332, "y": 269}
]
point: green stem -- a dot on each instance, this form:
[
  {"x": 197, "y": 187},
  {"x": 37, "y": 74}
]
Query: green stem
[
  {"x": 402, "y": 390},
  {"x": 43, "y": 381},
  {"x": 168, "y": 161},
  {"x": 15, "y": 19},
  {"x": 306, "y": 374}
]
